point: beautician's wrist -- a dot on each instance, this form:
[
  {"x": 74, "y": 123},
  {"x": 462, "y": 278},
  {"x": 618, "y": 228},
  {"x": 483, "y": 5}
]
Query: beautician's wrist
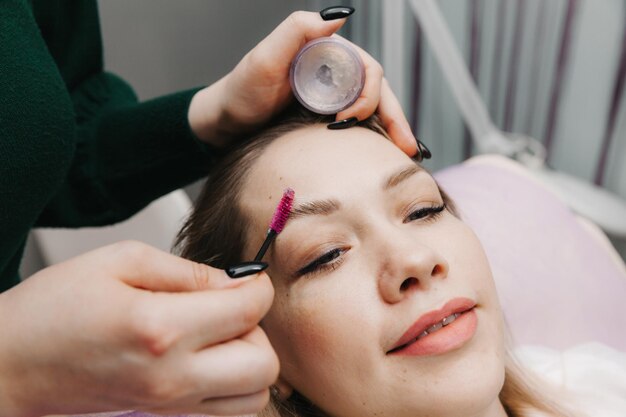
[{"x": 207, "y": 118}]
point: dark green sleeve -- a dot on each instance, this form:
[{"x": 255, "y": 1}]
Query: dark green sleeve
[{"x": 127, "y": 154}]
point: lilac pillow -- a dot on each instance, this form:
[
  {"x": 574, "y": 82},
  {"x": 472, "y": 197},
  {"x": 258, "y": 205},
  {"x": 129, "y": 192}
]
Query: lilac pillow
[{"x": 559, "y": 283}]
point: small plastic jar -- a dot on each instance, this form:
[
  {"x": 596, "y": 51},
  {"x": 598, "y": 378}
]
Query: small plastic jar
[{"x": 327, "y": 75}]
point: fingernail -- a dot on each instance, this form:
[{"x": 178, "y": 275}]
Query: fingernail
[
  {"x": 343, "y": 124},
  {"x": 422, "y": 151},
  {"x": 336, "y": 12},
  {"x": 246, "y": 268}
]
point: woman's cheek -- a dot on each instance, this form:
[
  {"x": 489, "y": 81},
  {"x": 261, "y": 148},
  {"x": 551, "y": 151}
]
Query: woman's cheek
[
  {"x": 295, "y": 328},
  {"x": 319, "y": 319},
  {"x": 480, "y": 277},
  {"x": 466, "y": 256}
]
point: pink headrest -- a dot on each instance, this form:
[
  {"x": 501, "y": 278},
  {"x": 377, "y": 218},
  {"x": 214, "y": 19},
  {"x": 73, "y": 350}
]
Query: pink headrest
[{"x": 559, "y": 283}]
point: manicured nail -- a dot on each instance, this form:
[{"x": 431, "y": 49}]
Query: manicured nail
[
  {"x": 422, "y": 151},
  {"x": 336, "y": 12},
  {"x": 343, "y": 124},
  {"x": 246, "y": 268}
]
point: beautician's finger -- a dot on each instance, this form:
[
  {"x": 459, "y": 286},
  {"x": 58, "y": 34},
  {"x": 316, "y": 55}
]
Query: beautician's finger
[
  {"x": 226, "y": 406},
  {"x": 368, "y": 100},
  {"x": 225, "y": 377},
  {"x": 394, "y": 122},
  {"x": 236, "y": 406},
  {"x": 242, "y": 366},
  {"x": 204, "y": 318},
  {"x": 377, "y": 94},
  {"x": 143, "y": 266},
  {"x": 280, "y": 47}
]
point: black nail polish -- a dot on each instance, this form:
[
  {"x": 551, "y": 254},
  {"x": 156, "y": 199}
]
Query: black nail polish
[
  {"x": 343, "y": 124},
  {"x": 336, "y": 12},
  {"x": 422, "y": 151},
  {"x": 246, "y": 268}
]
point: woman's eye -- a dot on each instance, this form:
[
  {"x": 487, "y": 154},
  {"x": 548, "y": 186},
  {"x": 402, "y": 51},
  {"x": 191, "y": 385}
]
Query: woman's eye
[
  {"x": 425, "y": 213},
  {"x": 323, "y": 262}
]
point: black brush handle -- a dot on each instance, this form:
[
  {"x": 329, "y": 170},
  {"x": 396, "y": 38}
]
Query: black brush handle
[{"x": 271, "y": 234}]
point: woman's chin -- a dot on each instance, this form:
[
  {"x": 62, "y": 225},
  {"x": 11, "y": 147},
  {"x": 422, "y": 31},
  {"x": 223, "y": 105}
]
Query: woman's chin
[
  {"x": 469, "y": 384},
  {"x": 446, "y": 396},
  {"x": 469, "y": 378}
]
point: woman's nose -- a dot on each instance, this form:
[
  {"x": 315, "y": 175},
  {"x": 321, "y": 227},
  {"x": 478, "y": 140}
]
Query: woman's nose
[{"x": 408, "y": 266}]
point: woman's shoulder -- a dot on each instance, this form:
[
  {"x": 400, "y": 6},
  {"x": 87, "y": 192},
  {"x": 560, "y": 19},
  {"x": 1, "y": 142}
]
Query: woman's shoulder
[{"x": 593, "y": 374}]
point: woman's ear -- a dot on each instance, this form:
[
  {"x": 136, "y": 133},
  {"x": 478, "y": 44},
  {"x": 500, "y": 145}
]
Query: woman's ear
[{"x": 281, "y": 390}]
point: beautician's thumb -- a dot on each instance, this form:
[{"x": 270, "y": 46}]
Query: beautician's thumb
[
  {"x": 300, "y": 27},
  {"x": 143, "y": 266}
]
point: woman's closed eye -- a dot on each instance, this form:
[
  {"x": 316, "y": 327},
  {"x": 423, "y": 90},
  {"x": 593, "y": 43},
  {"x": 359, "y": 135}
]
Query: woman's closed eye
[
  {"x": 426, "y": 213},
  {"x": 328, "y": 261},
  {"x": 331, "y": 260}
]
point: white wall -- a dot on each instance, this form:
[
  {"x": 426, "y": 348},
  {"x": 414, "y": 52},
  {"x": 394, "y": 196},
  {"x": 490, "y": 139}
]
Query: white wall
[{"x": 161, "y": 46}]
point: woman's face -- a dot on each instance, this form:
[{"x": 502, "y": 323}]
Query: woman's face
[{"x": 366, "y": 262}]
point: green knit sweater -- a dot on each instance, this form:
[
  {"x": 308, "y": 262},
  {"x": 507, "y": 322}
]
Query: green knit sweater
[{"x": 76, "y": 148}]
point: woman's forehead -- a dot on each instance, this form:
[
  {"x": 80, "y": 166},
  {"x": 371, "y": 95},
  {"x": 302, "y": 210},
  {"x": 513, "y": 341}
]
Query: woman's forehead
[
  {"x": 315, "y": 154},
  {"x": 318, "y": 163}
]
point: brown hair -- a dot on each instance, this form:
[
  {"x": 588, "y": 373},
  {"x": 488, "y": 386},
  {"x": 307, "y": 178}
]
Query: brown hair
[{"x": 215, "y": 233}]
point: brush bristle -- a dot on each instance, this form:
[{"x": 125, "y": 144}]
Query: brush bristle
[{"x": 282, "y": 211}]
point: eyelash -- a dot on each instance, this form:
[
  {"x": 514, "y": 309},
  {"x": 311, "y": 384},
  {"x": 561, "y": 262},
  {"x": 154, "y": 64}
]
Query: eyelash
[
  {"x": 427, "y": 213},
  {"x": 325, "y": 262}
]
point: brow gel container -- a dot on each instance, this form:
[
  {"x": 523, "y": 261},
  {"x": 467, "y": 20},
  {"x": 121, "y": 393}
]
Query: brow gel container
[{"x": 327, "y": 75}]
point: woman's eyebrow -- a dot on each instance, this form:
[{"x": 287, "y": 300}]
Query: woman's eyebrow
[
  {"x": 326, "y": 207},
  {"x": 317, "y": 207},
  {"x": 401, "y": 175}
]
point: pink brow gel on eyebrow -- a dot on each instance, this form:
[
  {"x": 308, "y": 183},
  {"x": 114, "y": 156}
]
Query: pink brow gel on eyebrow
[{"x": 281, "y": 214}]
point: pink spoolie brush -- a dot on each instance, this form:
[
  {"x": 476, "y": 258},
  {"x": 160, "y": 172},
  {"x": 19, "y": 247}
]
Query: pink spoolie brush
[{"x": 278, "y": 221}]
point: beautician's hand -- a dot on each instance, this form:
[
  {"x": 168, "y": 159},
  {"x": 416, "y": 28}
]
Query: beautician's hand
[
  {"x": 130, "y": 327},
  {"x": 258, "y": 87}
]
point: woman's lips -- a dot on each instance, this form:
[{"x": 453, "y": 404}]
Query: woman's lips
[{"x": 450, "y": 328}]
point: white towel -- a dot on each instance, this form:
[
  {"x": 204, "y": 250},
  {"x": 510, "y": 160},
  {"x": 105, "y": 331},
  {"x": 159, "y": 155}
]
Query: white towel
[{"x": 593, "y": 372}]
